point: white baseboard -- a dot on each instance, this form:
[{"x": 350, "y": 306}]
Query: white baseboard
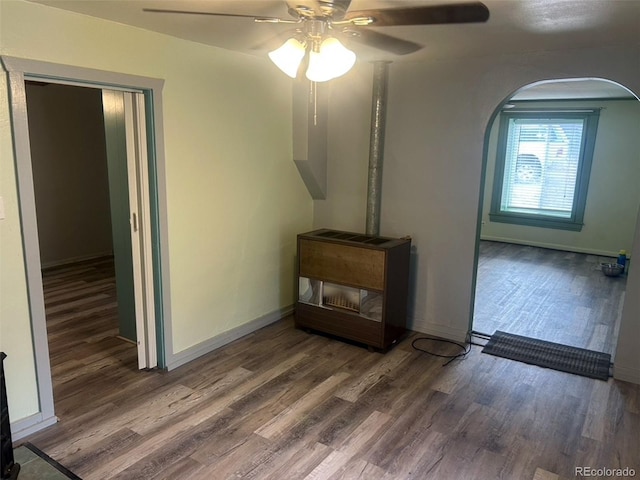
[
  {"x": 31, "y": 424},
  {"x": 441, "y": 331},
  {"x": 626, "y": 374},
  {"x": 552, "y": 246},
  {"x": 229, "y": 336}
]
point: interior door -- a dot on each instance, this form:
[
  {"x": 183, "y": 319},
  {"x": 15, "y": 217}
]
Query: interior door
[
  {"x": 125, "y": 131},
  {"x": 115, "y": 133},
  {"x": 140, "y": 227}
]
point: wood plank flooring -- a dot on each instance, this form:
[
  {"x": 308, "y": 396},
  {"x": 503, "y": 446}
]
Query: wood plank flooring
[
  {"x": 82, "y": 326},
  {"x": 284, "y": 404},
  {"x": 552, "y": 295}
]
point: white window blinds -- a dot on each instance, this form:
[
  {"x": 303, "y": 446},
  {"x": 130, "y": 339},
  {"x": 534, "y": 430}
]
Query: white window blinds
[{"x": 541, "y": 165}]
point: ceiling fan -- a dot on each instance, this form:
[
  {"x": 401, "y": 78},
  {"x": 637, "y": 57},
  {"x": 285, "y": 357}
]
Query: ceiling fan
[{"x": 315, "y": 43}]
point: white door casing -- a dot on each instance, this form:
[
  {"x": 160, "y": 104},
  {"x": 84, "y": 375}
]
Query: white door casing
[{"x": 18, "y": 70}]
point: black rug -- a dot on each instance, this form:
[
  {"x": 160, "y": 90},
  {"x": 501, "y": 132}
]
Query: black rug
[
  {"x": 580, "y": 361},
  {"x": 37, "y": 465}
]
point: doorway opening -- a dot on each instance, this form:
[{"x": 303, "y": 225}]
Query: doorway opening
[
  {"x": 78, "y": 192},
  {"x": 535, "y": 278},
  {"x": 140, "y": 130}
]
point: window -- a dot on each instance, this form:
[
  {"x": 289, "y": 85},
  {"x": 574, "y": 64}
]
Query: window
[{"x": 543, "y": 165}]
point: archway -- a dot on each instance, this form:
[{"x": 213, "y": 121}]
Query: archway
[{"x": 609, "y": 224}]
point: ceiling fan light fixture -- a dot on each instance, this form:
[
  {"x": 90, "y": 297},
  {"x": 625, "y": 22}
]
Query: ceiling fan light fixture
[
  {"x": 332, "y": 60},
  {"x": 316, "y": 71},
  {"x": 288, "y": 56},
  {"x": 316, "y": 21}
]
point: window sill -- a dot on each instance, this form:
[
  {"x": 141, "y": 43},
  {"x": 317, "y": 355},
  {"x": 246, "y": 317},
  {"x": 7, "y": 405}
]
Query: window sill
[{"x": 537, "y": 221}]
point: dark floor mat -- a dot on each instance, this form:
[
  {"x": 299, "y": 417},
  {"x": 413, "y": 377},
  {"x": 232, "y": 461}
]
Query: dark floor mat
[{"x": 565, "y": 358}]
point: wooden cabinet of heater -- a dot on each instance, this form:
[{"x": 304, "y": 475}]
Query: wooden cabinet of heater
[{"x": 373, "y": 264}]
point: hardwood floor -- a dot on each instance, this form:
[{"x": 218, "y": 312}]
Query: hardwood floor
[
  {"x": 553, "y": 295},
  {"x": 82, "y": 326},
  {"x": 284, "y": 404}
]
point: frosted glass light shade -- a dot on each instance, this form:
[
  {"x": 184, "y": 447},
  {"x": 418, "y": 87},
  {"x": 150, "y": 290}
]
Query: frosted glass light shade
[
  {"x": 332, "y": 60},
  {"x": 317, "y": 70},
  {"x": 288, "y": 56}
]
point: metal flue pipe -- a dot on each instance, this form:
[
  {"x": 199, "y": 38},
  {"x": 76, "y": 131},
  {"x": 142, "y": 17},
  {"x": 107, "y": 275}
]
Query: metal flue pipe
[{"x": 376, "y": 146}]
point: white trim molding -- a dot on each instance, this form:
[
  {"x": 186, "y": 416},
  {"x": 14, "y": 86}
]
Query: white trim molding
[
  {"x": 552, "y": 246},
  {"x": 626, "y": 373},
  {"x": 31, "y": 424},
  {"x": 437, "y": 330},
  {"x": 229, "y": 336}
]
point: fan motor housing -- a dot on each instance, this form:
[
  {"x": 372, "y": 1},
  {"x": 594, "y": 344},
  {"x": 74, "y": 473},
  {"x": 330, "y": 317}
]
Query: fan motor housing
[{"x": 327, "y": 8}]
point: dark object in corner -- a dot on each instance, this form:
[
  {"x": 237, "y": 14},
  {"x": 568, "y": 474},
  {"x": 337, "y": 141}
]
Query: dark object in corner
[
  {"x": 8, "y": 467},
  {"x": 37, "y": 465}
]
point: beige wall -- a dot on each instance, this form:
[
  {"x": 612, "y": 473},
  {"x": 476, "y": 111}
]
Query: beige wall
[
  {"x": 613, "y": 197},
  {"x": 235, "y": 199},
  {"x": 438, "y": 113}
]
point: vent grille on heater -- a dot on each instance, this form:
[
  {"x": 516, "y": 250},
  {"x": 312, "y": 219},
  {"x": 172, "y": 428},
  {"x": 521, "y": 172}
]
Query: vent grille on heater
[{"x": 353, "y": 237}]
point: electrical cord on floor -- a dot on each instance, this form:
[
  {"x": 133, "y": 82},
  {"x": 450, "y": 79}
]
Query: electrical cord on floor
[
  {"x": 466, "y": 348},
  {"x": 481, "y": 336}
]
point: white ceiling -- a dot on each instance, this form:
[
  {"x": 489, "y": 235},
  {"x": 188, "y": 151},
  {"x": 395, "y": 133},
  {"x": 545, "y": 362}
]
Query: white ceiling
[{"x": 514, "y": 26}]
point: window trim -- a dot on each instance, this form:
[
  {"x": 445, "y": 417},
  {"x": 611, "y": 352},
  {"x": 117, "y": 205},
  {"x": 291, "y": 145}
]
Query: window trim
[{"x": 576, "y": 221}]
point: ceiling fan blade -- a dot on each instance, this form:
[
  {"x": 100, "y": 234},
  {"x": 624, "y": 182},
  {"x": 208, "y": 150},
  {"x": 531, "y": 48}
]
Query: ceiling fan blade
[
  {"x": 383, "y": 41},
  {"x": 257, "y": 18},
  {"x": 275, "y": 41},
  {"x": 471, "y": 12}
]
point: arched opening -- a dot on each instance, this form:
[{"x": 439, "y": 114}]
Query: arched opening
[{"x": 537, "y": 279}]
